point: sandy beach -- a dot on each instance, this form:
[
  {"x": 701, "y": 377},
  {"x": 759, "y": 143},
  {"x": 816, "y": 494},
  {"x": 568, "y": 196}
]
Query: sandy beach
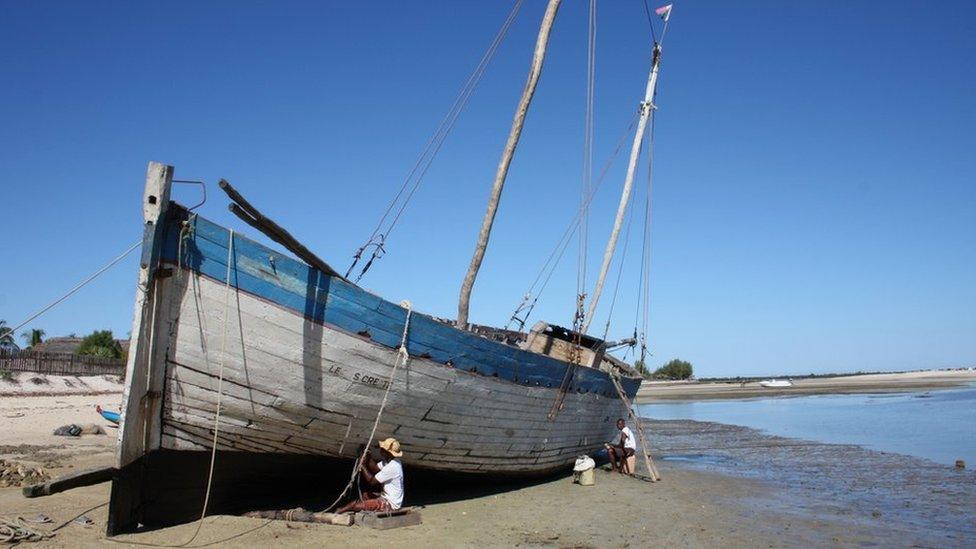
[
  {"x": 869, "y": 383},
  {"x": 696, "y": 504}
]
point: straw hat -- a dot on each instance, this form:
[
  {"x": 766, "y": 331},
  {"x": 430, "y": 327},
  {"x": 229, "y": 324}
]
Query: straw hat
[{"x": 392, "y": 446}]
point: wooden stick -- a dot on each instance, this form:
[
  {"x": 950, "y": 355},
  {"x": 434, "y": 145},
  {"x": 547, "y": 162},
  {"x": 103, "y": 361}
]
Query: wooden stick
[
  {"x": 648, "y": 462},
  {"x": 250, "y": 215},
  {"x": 513, "y": 138},
  {"x": 301, "y": 515},
  {"x": 67, "y": 482}
]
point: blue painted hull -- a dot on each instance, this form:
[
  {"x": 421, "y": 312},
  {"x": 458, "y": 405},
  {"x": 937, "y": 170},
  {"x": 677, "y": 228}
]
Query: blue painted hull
[{"x": 330, "y": 301}]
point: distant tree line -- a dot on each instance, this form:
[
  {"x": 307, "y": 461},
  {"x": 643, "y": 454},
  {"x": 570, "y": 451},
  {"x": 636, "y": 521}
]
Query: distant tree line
[
  {"x": 675, "y": 369},
  {"x": 100, "y": 343}
]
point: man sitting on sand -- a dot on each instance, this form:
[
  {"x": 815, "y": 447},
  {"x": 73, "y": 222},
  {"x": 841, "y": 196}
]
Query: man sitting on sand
[
  {"x": 624, "y": 448},
  {"x": 388, "y": 474}
]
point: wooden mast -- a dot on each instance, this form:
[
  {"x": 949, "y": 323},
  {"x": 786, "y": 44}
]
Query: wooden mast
[
  {"x": 645, "y": 112},
  {"x": 513, "y": 137}
]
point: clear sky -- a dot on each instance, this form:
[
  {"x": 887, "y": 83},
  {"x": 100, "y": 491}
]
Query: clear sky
[{"x": 814, "y": 205}]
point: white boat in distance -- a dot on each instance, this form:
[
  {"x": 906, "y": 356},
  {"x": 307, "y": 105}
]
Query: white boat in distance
[{"x": 776, "y": 383}]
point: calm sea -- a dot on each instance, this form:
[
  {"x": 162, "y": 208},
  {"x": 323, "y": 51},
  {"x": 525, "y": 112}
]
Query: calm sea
[{"x": 936, "y": 425}]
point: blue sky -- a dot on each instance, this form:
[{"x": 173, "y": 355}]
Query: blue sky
[{"x": 814, "y": 204}]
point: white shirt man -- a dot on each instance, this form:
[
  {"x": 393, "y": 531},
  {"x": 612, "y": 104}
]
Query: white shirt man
[
  {"x": 622, "y": 449},
  {"x": 391, "y": 475},
  {"x": 387, "y": 473}
]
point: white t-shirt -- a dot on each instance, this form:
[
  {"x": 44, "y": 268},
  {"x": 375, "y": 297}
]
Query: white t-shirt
[
  {"x": 391, "y": 475},
  {"x": 630, "y": 442}
]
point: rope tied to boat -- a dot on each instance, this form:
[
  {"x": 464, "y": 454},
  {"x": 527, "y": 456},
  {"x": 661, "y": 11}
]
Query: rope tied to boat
[
  {"x": 220, "y": 383},
  {"x": 186, "y": 231},
  {"x": 402, "y": 357}
]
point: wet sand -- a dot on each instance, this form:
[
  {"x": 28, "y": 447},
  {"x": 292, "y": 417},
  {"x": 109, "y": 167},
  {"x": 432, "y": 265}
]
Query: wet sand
[
  {"x": 723, "y": 486},
  {"x": 869, "y": 383}
]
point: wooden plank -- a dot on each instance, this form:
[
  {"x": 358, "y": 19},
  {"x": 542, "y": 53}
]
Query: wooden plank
[
  {"x": 266, "y": 348},
  {"x": 137, "y": 409},
  {"x": 386, "y": 521},
  {"x": 139, "y": 428}
]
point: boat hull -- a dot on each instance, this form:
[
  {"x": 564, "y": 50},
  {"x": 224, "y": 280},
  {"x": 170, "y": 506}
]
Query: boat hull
[
  {"x": 293, "y": 388},
  {"x": 297, "y": 365}
]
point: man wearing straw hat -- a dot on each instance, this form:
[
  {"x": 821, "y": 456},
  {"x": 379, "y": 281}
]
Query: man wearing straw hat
[{"x": 388, "y": 474}]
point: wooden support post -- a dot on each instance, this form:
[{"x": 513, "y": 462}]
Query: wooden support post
[
  {"x": 140, "y": 426},
  {"x": 648, "y": 462},
  {"x": 67, "y": 482}
]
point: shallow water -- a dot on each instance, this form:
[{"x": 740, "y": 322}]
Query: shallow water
[
  {"x": 901, "y": 500},
  {"x": 937, "y": 425}
]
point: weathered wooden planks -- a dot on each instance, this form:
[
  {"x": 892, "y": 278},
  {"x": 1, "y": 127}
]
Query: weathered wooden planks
[
  {"x": 286, "y": 282},
  {"x": 446, "y": 418}
]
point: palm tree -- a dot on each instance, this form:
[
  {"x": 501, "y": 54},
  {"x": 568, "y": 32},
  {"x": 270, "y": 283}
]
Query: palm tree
[
  {"x": 32, "y": 337},
  {"x": 7, "y": 341}
]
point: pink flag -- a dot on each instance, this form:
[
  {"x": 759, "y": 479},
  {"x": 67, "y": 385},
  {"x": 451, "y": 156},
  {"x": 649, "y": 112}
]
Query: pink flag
[{"x": 664, "y": 12}]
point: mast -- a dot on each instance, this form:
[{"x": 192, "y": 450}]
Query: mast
[
  {"x": 508, "y": 152},
  {"x": 645, "y": 112}
]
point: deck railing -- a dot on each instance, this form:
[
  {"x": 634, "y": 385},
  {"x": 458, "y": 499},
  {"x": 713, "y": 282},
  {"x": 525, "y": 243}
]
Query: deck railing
[{"x": 64, "y": 364}]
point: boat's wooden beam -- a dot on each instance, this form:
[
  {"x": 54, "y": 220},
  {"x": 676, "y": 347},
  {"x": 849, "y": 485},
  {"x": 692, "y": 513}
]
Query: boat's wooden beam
[
  {"x": 140, "y": 426},
  {"x": 250, "y": 215},
  {"x": 77, "y": 479}
]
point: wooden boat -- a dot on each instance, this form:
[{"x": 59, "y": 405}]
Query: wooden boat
[{"x": 277, "y": 359}]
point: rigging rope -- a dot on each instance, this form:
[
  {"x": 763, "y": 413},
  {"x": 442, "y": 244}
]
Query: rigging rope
[
  {"x": 380, "y": 233},
  {"x": 587, "y": 166},
  {"x": 552, "y": 261},
  {"x": 643, "y": 290},
  {"x": 220, "y": 383},
  {"x": 650, "y": 22},
  {"x": 620, "y": 271},
  {"x": 77, "y": 287}
]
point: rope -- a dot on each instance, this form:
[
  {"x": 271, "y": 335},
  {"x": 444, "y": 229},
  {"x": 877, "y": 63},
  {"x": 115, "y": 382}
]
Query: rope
[
  {"x": 402, "y": 357},
  {"x": 588, "y": 124},
  {"x": 552, "y": 261},
  {"x": 645, "y": 291},
  {"x": 433, "y": 146},
  {"x": 620, "y": 271},
  {"x": 77, "y": 287},
  {"x": 186, "y": 231},
  {"x": 650, "y": 22},
  {"x": 17, "y": 531}
]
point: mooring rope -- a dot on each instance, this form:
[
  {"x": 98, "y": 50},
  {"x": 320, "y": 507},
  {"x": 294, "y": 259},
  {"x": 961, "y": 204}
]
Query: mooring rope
[
  {"x": 220, "y": 383},
  {"x": 78, "y": 286},
  {"x": 403, "y": 356}
]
